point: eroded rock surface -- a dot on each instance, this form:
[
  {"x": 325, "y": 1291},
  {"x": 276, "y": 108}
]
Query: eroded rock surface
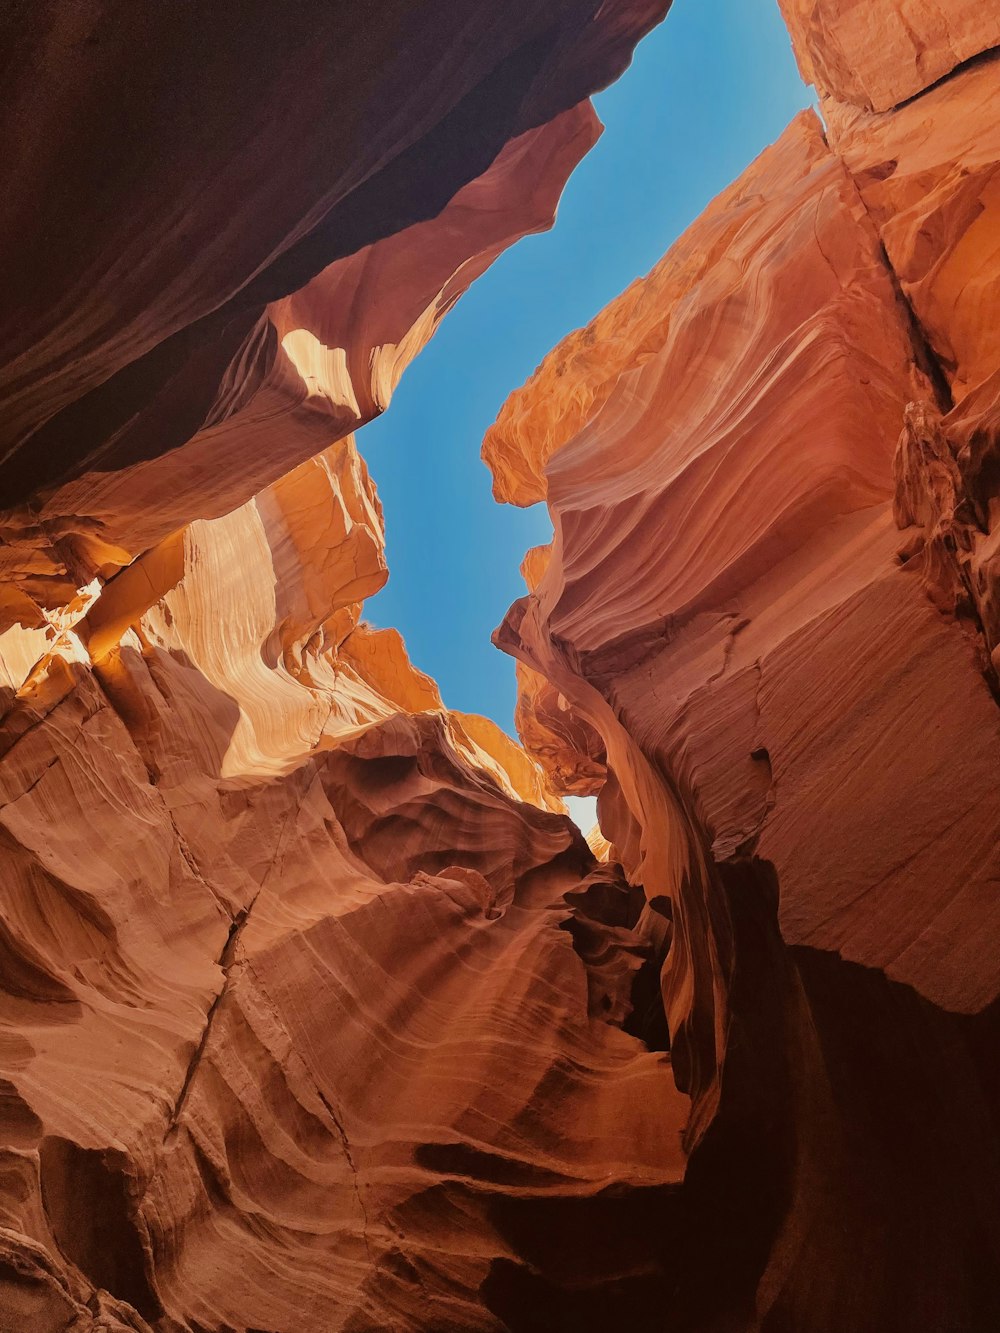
[
  {"x": 300, "y": 970},
  {"x": 880, "y": 54},
  {"x": 772, "y": 596},
  {"x": 316, "y": 1011}
]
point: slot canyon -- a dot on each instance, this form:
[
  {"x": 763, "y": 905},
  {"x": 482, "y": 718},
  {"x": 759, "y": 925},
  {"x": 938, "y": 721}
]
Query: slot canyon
[{"x": 318, "y": 1012}]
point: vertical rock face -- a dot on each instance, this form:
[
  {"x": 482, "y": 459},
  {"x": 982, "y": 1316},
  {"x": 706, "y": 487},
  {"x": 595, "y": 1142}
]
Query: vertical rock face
[
  {"x": 316, "y": 1011},
  {"x": 191, "y": 172},
  {"x": 317, "y": 364},
  {"x": 772, "y": 597},
  {"x": 301, "y": 972},
  {"x": 880, "y": 54}
]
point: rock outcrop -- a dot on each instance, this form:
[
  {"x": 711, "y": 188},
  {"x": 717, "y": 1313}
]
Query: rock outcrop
[
  {"x": 318, "y": 364},
  {"x": 317, "y": 1013},
  {"x": 772, "y": 598},
  {"x": 301, "y": 971},
  {"x": 225, "y": 236},
  {"x": 878, "y": 55}
]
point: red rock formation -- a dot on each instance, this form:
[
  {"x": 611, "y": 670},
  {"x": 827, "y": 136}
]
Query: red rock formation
[
  {"x": 801, "y": 743},
  {"x": 237, "y": 232},
  {"x": 879, "y": 54},
  {"x": 253, "y": 154},
  {"x": 297, "y": 986},
  {"x": 301, "y": 971},
  {"x": 564, "y": 744},
  {"x": 323, "y": 362},
  {"x": 316, "y": 1012}
]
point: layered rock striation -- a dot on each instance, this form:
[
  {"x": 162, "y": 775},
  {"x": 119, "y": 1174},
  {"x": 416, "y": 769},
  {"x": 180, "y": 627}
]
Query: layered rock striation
[
  {"x": 300, "y": 970},
  {"x": 771, "y": 597},
  {"x": 316, "y": 1011}
]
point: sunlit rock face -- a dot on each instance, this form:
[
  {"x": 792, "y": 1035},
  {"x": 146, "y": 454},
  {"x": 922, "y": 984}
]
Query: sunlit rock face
[
  {"x": 223, "y": 242},
  {"x": 772, "y": 598},
  {"x": 316, "y": 1011},
  {"x": 318, "y": 364},
  {"x": 879, "y": 54}
]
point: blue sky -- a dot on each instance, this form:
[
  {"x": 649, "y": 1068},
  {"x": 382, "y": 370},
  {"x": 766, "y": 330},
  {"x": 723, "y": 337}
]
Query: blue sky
[{"x": 707, "y": 90}]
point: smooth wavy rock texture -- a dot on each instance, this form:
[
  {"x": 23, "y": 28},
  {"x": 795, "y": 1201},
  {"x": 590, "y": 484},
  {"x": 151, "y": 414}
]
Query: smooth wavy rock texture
[
  {"x": 302, "y": 973},
  {"x": 319, "y": 364},
  {"x": 317, "y": 1013},
  {"x": 256, "y": 153},
  {"x": 796, "y": 702},
  {"x": 246, "y": 239}
]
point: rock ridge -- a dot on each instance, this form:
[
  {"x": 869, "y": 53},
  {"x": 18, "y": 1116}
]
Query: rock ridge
[{"x": 771, "y": 596}]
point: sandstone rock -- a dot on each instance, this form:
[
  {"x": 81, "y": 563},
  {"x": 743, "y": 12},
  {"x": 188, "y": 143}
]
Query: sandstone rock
[
  {"x": 321, "y": 362},
  {"x": 341, "y": 1155},
  {"x": 292, "y": 1002},
  {"x": 308, "y": 1011},
  {"x": 800, "y": 742},
  {"x": 881, "y": 54},
  {"x": 564, "y": 744},
  {"x": 148, "y": 318},
  {"x": 316, "y": 1011},
  {"x": 929, "y": 177},
  {"x": 191, "y": 172}
]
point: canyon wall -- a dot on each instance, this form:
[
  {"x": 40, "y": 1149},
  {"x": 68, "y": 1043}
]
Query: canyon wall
[
  {"x": 293, "y": 1009},
  {"x": 317, "y": 1013},
  {"x": 770, "y": 609},
  {"x": 301, "y": 971}
]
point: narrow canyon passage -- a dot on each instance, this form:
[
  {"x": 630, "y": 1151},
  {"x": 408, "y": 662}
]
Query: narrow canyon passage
[{"x": 317, "y": 1011}]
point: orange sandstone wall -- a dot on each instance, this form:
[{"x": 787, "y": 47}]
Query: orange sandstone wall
[
  {"x": 316, "y": 1012},
  {"x": 315, "y": 1008},
  {"x": 878, "y": 55},
  {"x": 772, "y": 598}
]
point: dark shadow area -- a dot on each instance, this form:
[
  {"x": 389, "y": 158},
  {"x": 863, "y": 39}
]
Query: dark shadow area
[
  {"x": 589, "y": 1265},
  {"x": 86, "y": 1197}
]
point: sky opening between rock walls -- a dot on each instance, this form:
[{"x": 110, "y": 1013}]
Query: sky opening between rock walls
[{"x": 706, "y": 92}]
